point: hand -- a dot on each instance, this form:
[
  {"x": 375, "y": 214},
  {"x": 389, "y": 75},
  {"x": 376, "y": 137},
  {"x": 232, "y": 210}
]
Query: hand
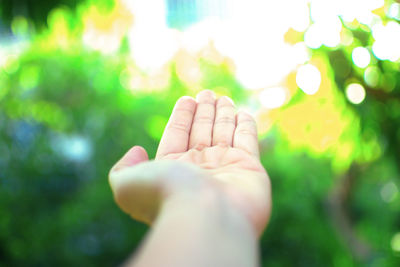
[{"x": 205, "y": 146}]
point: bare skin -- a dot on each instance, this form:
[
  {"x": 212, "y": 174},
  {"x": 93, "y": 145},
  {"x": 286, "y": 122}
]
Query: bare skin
[{"x": 206, "y": 194}]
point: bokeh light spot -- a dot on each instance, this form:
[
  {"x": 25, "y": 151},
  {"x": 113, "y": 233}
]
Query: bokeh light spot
[
  {"x": 11, "y": 64},
  {"x": 394, "y": 11},
  {"x": 346, "y": 37},
  {"x": 273, "y": 97},
  {"x": 395, "y": 243},
  {"x": 312, "y": 37},
  {"x": 372, "y": 76},
  {"x": 326, "y": 28},
  {"x": 388, "y": 82},
  {"x": 29, "y": 77},
  {"x": 155, "y": 126},
  {"x": 387, "y": 41},
  {"x": 389, "y": 192},
  {"x": 20, "y": 26},
  {"x": 355, "y": 93},
  {"x": 361, "y": 57},
  {"x": 75, "y": 148},
  {"x": 308, "y": 79}
]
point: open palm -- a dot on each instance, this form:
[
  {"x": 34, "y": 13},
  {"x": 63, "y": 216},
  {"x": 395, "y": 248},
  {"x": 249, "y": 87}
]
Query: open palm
[{"x": 205, "y": 142}]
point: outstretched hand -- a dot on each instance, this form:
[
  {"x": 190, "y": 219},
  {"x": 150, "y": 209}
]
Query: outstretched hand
[{"x": 206, "y": 146}]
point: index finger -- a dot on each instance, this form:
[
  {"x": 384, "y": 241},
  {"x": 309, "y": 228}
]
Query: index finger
[{"x": 176, "y": 134}]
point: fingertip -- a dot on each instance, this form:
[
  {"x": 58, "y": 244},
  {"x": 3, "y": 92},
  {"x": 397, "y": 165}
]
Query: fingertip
[
  {"x": 245, "y": 114},
  {"x": 186, "y": 102},
  {"x": 134, "y": 156},
  {"x": 225, "y": 100},
  {"x": 138, "y": 152},
  {"x": 186, "y": 98},
  {"x": 205, "y": 95}
]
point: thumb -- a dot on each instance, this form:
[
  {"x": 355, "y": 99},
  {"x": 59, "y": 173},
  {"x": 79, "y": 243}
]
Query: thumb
[{"x": 134, "y": 156}]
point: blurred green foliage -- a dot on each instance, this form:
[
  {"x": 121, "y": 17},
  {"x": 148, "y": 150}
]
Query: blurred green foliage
[
  {"x": 65, "y": 118},
  {"x": 37, "y": 11}
]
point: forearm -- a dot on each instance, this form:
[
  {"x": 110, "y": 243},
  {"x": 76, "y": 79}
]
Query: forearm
[{"x": 199, "y": 230}]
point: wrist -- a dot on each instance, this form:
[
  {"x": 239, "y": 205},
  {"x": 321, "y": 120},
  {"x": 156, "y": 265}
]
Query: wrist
[
  {"x": 205, "y": 231},
  {"x": 206, "y": 203}
]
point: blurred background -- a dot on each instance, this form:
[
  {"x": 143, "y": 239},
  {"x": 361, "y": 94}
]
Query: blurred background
[{"x": 82, "y": 81}]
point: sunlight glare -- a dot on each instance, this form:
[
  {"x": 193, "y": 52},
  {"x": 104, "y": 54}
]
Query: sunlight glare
[
  {"x": 298, "y": 15},
  {"x": 149, "y": 32},
  {"x": 324, "y": 32},
  {"x": 147, "y": 52},
  {"x": 361, "y": 10},
  {"x": 199, "y": 35}
]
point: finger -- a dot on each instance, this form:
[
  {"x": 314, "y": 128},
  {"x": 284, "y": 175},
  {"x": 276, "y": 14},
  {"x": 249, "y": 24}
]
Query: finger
[
  {"x": 176, "y": 134},
  {"x": 135, "y": 155},
  {"x": 203, "y": 121},
  {"x": 245, "y": 136},
  {"x": 225, "y": 122}
]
